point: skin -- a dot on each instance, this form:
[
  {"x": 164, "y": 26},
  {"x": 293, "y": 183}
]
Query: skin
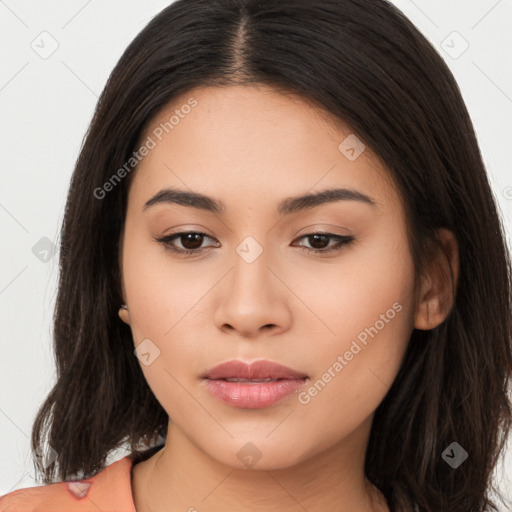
[{"x": 251, "y": 147}]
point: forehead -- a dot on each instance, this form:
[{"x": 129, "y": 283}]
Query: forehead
[{"x": 255, "y": 142}]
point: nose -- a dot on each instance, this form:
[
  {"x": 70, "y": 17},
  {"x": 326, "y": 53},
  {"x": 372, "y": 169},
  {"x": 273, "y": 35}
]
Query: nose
[{"x": 253, "y": 300}]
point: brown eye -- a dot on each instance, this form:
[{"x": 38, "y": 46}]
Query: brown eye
[
  {"x": 320, "y": 242},
  {"x": 190, "y": 241}
]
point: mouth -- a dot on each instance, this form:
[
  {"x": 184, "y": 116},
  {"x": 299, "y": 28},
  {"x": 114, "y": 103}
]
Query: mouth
[
  {"x": 252, "y": 386},
  {"x": 261, "y": 370},
  {"x": 251, "y": 380}
]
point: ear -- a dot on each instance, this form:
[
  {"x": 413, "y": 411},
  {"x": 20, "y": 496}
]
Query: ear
[
  {"x": 437, "y": 291},
  {"x": 124, "y": 314}
]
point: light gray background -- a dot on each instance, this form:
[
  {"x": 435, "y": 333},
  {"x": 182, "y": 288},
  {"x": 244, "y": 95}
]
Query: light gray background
[{"x": 47, "y": 102}]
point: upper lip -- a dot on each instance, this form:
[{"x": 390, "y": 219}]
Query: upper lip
[{"x": 262, "y": 369}]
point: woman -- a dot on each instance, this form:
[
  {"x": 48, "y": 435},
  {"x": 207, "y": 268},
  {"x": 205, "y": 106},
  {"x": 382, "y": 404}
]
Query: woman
[{"x": 284, "y": 283}]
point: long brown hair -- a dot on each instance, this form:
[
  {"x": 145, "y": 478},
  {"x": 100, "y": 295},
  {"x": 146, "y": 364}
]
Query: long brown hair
[{"x": 364, "y": 62}]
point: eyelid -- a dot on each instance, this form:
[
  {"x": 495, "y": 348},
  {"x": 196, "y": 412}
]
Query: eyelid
[
  {"x": 167, "y": 239},
  {"x": 342, "y": 241}
]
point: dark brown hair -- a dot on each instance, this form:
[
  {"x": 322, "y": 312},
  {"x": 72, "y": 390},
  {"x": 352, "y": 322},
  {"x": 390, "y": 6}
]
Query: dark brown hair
[{"x": 364, "y": 62}]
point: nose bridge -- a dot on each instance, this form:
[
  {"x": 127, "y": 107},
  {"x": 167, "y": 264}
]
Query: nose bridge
[
  {"x": 252, "y": 296},
  {"x": 251, "y": 277}
]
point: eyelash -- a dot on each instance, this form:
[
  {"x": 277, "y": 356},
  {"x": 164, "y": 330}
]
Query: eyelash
[{"x": 166, "y": 241}]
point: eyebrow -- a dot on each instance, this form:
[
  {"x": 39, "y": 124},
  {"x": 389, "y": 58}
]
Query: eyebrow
[{"x": 287, "y": 206}]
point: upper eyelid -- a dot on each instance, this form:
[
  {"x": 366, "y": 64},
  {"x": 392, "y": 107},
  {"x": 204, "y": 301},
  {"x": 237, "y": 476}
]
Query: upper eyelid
[
  {"x": 309, "y": 233},
  {"x": 176, "y": 236}
]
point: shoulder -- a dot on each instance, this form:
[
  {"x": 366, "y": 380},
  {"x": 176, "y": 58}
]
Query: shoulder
[{"x": 89, "y": 494}]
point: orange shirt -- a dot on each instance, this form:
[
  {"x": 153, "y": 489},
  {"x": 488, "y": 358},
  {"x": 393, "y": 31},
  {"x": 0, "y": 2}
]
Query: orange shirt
[{"x": 110, "y": 490}]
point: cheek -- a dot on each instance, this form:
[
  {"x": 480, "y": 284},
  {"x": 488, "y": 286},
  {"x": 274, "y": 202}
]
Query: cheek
[
  {"x": 366, "y": 292},
  {"x": 167, "y": 301},
  {"x": 161, "y": 297},
  {"x": 160, "y": 289},
  {"x": 369, "y": 309}
]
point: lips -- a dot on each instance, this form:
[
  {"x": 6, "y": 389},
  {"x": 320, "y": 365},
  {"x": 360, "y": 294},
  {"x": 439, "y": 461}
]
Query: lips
[
  {"x": 252, "y": 386},
  {"x": 257, "y": 371}
]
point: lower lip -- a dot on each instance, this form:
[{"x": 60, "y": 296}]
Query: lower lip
[{"x": 256, "y": 395}]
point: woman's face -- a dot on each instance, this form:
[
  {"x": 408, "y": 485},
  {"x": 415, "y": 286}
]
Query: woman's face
[{"x": 252, "y": 288}]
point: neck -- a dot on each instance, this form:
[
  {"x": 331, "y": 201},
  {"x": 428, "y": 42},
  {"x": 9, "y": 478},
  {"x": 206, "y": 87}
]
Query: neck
[{"x": 181, "y": 477}]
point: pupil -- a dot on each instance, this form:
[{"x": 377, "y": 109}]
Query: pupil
[
  {"x": 316, "y": 238},
  {"x": 188, "y": 238},
  {"x": 194, "y": 241}
]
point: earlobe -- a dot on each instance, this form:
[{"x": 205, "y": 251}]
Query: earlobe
[
  {"x": 124, "y": 314},
  {"x": 438, "y": 287}
]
